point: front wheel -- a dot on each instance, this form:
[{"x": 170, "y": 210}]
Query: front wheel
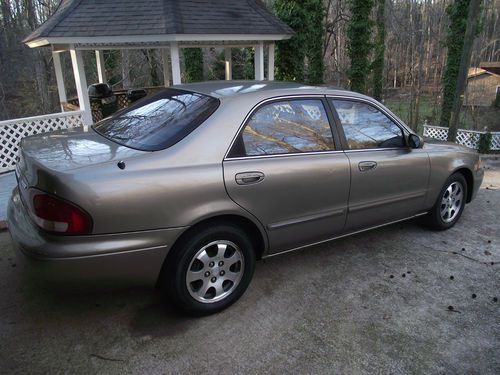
[
  {"x": 210, "y": 270},
  {"x": 450, "y": 203}
]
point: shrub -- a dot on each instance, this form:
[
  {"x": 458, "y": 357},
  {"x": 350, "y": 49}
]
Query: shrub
[{"x": 484, "y": 143}]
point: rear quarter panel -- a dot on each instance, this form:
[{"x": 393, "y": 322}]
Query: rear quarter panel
[
  {"x": 445, "y": 159},
  {"x": 176, "y": 187}
]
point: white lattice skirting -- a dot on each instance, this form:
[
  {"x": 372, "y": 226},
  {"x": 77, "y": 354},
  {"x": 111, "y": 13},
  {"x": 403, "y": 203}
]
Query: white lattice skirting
[
  {"x": 12, "y": 131},
  {"x": 467, "y": 138}
]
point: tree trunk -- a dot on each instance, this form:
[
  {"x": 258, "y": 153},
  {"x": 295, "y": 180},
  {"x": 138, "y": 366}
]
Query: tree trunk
[
  {"x": 472, "y": 18},
  {"x": 378, "y": 62},
  {"x": 420, "y": 71},
  {"x": 126, "y": 69}
]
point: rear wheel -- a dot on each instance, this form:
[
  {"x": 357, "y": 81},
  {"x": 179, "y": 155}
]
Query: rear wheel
[
  {"x": 210, "y": 270},
  {"x": 450, "y": 203}
]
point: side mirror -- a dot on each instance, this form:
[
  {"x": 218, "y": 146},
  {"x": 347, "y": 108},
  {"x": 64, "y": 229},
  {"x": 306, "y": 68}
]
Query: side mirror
[{"x": 414, "y": 141}]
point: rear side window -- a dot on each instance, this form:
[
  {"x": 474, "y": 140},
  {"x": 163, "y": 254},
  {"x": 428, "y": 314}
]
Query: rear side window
[
  {"x": 365, "y": 127},
  {"x": 159, "y": 121},
  {"x": 284, "y": 127}
]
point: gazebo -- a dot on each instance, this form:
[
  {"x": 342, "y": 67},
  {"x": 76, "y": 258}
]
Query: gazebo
[{"x": 168, "y": 25}]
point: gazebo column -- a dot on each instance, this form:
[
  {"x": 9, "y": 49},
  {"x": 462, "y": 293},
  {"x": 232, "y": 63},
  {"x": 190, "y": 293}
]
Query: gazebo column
[
  {"x": 166, "y": 68},
  {"x": 176, "y": 63},
  {"x": 101, "y": 69},
  {"x": 56, "y": 58},
  {"x": 81, "y": 86},
  {"x": 228, "y": 64},
  {"x": 270, "y": 62},
  {"x": 259, "y": 61}
]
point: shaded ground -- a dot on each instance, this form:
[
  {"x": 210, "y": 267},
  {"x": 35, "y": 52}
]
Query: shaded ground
[{"x": 373, "y": 303}]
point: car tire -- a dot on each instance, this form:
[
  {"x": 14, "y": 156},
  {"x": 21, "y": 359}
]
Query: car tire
[
  {"x": 450, "y": 203},
  {"x": 209, "y": 270}
]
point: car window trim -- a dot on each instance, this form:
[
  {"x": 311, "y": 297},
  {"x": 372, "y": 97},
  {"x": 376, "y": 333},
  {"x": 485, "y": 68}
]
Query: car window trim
[
  {"x": 404, "y": 129},
  {"x": 308, "y": 153},
  {"x": 336, "y": 144}
]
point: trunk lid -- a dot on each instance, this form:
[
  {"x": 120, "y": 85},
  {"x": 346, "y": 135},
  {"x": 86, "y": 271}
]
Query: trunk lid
[{"x": 46, "y": 156}]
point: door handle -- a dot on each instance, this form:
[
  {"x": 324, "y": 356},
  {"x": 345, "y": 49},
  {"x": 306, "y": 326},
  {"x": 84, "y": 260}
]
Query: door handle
[
  {"x": 367, "y": 166},
  {"x": 247, "y": 178}
]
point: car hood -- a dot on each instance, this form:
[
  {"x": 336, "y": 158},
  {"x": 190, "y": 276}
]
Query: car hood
[
  {"x": 66, "y": 150},
  {"x": 431, "y": 144}
]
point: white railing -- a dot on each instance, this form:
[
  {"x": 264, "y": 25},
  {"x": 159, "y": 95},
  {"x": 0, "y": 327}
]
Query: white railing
[
  {"x": 467, "y": 138},
  {"x": 12, "y": 131}
]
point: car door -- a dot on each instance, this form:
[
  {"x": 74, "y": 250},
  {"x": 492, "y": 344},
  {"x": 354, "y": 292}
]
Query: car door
[
  {"x": 284, "y": 168},
  {"x": 389, "y": 180}
]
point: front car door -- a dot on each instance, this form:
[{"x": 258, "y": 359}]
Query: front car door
[
  {"x": 389, "y": 180},
  {"x": 284, "y": 169}
]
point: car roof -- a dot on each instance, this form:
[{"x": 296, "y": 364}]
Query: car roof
[{"x": 226, "y": 89}]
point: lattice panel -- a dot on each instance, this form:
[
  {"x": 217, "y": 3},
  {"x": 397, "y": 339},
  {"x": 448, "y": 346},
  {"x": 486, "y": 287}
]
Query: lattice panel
[
  {"x": 467, "y": 138},
  {"x": 12, "y": 131},
  {"x": 495, "y": 141},
  {"x": 436, "y": 132},
  {"x": 123, "y": 101}
]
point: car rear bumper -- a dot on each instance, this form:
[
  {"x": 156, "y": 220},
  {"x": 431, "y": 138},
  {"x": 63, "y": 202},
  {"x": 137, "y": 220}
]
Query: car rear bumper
[{"x": 133, "y": 258}]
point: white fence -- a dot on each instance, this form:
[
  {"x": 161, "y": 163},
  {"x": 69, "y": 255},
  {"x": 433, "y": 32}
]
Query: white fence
[
  {"x": 12, "y": 131},
  {"x": 467, "y": 138}
]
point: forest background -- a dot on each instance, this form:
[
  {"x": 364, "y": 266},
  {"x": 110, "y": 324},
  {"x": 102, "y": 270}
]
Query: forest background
[{"x": 403, "y": 52}]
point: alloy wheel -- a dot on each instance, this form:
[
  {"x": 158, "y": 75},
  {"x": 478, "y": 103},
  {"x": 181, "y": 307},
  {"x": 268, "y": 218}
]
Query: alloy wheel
[
  {"x": 215, "y": 271},
  {"x": 452, "y": 201}
]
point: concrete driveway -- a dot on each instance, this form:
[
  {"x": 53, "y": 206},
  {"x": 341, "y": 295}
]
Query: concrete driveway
[{"x": 397, "y": 300}]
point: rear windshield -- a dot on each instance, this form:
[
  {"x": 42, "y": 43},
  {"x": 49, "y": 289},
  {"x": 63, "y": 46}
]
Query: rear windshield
[{"x": 159, "y": 121}]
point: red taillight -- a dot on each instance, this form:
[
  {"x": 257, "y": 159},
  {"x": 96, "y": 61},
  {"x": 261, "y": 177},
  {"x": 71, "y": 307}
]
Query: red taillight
[{"x": 56, "y": 215}]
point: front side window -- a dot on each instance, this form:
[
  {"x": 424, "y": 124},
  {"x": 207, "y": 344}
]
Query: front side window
[
  {"x": 366, "y": 127},
  {"x": 290, "y": 126},
  {"x": 159, "y": 121}
]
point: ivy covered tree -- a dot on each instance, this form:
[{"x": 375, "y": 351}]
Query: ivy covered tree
[
  {"x": 300, "y": 58},
  {"x": 315, "y": 35},
  {"x": 471, "y": 30},
  {"x": 193, "y": 62},
  {"x": 359, "y": 43},
  {"x": 378, "y": 59},
  {"x": 457, "y": 13}
]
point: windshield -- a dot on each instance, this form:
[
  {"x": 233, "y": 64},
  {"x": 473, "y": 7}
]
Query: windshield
[{"x": 159, "y": 121}]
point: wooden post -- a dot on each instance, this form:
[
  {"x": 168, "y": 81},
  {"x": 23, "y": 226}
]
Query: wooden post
[
  {"x": 166, "y": 67},
  {"x": 56, "y": 57},
  {"x": 259, "y": 61},
  {"x": 81, "y": 86},
  {"x": 101, "y": 69},
  {"x": 228, "y": 64},
  {"x": 176, "y": 63},
  {"x": 270, "y": 62}
]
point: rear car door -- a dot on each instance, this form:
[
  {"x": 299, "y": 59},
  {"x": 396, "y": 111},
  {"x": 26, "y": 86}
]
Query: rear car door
[
  {"x": 284, "y": 169},
  {"x": 389, "y": 180}
]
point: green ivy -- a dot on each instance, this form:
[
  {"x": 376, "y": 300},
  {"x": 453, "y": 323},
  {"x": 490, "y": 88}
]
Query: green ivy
[
  {"x": 484, "y": 143},
  {"x": 359, "y": 44},
  {"x": 457, "y": 14},
  {"x": 193, "y": 62},
  {"x": 300, "y": 58},
  {"x": 315, "y": 11}
]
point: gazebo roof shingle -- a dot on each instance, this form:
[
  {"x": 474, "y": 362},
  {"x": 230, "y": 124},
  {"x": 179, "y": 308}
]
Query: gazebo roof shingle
[{"x": 102, "y": 18}]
